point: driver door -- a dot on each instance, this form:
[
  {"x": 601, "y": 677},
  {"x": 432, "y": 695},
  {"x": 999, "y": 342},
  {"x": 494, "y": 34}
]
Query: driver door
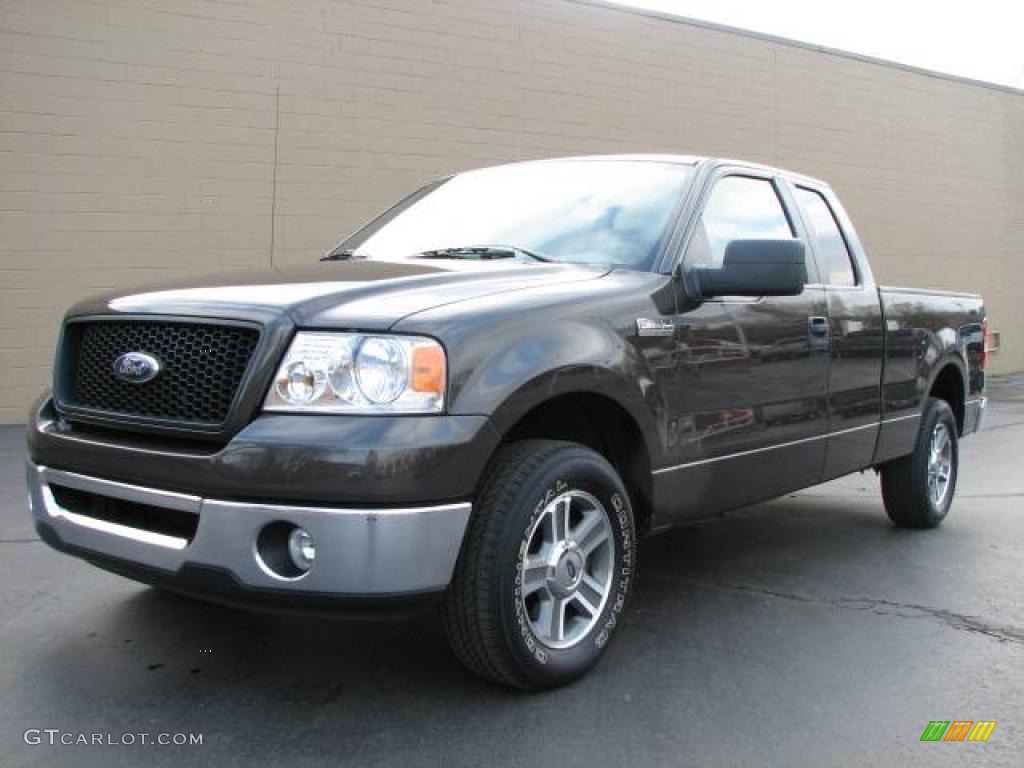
[{"x": 748, "y": 400}]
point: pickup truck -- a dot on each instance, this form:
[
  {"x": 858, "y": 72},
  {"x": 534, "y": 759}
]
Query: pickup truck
[{"x": 484, "y": 398}]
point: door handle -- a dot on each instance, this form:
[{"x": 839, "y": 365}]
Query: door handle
[{"x": 817, "y": 332}]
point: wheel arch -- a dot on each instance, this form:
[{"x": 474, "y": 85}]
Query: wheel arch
[
  {"x": 949, "y": 383},
  {"x": 611, "y": 425}
]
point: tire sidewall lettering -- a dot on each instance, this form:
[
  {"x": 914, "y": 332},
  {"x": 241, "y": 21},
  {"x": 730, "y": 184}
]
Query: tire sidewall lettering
[
  {"x": 617, "y": 508},
  {"x": 624, "y": 577}
]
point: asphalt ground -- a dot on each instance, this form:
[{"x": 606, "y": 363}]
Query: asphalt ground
[{"x": 802, "y": 632}]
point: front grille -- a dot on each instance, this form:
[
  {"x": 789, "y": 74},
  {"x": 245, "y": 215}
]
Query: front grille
[{"x": 202, "y": 365}]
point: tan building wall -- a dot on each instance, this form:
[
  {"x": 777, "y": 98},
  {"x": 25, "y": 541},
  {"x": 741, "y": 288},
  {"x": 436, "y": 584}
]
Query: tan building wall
[{"x": 148, "y": 139}]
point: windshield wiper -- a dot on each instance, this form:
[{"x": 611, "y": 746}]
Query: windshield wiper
[
  {"x": 482, "y": 252},
  {"x": 342, "y": 255}
]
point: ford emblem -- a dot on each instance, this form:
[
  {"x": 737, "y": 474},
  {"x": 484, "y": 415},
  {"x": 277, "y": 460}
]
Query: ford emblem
[{"x": 136, "y": 367}]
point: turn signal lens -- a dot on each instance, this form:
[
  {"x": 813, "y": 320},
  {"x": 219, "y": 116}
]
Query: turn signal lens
[{"x": 428, "y": 372}]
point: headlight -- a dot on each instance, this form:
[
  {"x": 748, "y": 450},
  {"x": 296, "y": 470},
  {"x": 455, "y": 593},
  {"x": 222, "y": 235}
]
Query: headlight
[{"x": 359, "y": 373}]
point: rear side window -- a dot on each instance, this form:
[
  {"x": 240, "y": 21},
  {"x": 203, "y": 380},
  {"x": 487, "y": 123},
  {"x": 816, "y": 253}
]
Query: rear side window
[
  {"x": 829, "y": 245},
  {"x": 739, "y": 208}
]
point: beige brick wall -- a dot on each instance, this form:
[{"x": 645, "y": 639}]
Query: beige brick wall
[{"x": 138, "y": 137}]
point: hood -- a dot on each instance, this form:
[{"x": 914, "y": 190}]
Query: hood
[{"x": 368, "y": 295}]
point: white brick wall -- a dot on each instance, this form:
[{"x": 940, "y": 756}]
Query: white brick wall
[{"x": 137, "y": 137}]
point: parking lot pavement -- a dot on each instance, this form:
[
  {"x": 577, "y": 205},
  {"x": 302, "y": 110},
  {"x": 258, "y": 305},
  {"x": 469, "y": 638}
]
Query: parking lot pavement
[{"x": 802, "y": 632}]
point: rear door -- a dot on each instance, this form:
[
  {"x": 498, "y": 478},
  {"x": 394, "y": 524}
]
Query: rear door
[
  {"x": 855, "y": 335},
  {"x": 750, "y": 380}
]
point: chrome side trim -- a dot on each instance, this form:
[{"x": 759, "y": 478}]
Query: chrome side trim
[
  {"x": 901, "y": 418},
  {"x": 791, "y": 443},
  {"x": 872, "y": 425}
]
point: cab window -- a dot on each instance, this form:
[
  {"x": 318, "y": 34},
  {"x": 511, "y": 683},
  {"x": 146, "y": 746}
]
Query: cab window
[
  {"x": 829, "y": 245},
  {"x": 739, "y": 208}
]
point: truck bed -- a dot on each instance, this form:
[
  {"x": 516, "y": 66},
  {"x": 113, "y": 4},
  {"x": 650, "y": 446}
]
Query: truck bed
[{"x": 923, "y": 330}]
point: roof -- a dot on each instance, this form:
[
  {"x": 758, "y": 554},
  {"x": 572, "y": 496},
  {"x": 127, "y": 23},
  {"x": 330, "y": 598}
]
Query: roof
[{"x": 694, "y": 160}]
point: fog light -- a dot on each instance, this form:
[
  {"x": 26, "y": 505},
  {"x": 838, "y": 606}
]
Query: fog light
[{"x": 301, "y": 548}]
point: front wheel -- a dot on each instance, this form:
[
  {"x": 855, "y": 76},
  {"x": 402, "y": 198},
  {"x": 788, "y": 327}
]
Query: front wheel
[
  {"x": 918, "y": 489},
  {"x": 546, "y": 566}
]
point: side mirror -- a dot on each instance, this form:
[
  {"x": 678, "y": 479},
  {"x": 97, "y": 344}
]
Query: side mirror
[{"x": 756, "y": 268}]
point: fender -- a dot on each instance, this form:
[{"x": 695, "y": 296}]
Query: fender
[
  {"x": 899, "y": 429},
  {"x": 950, "y": 357},
  {"x": 539, "y": 362},
  {"x": 946, "y": 346}
]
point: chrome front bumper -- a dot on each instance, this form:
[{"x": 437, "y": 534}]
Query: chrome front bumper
[{"x": 359, "y": 552}]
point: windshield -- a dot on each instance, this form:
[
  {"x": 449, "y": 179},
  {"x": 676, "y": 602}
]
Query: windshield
[{"x": 608, "y": 212}]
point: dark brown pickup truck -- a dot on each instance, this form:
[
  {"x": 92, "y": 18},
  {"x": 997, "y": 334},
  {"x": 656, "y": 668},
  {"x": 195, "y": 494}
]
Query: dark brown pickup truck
[{"x": 487, "y": 394}]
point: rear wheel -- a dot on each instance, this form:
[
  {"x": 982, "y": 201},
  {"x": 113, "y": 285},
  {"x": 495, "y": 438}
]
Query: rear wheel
[
  {"x": 546, "y": 567},
  {"x": 918, "y": 489}
]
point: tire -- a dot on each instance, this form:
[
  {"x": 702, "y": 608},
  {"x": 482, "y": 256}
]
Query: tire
[
  {"x": 912, "y": 489},
  {"x": 517, "y": 573}
]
